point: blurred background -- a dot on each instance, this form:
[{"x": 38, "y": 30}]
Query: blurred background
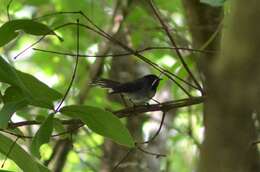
[{"x": 134, "y": 24}]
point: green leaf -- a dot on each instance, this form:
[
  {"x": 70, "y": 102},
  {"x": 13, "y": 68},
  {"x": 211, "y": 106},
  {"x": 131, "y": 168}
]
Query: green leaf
[
  {"x": 59, "y": 127},
  {"x": 8, "y": 110},
  {"x": 17, "y": 131},
  {"x": 36, "y": 2},
  {"x": 12, "y": 102},
  {"x": 42, "y": 136},
  {"x": 41, "y": 94},
  {"x": 12, "y": 94},
  {"x": 25, "y": 161},
  {"x": 214, "y": 3},
  {"x": 8, "y": 31},
  {"x": 101, "y": 122},
  {"x": 37, "y": 93},
  {"x": 5, "y": 171},
  {"x": 8, "y": 74}
]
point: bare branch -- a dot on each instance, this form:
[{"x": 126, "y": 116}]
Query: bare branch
[
  {"x": 129, "y": 111},
  {"x": 157, "y": 132},
  {"x": 167, "y": 31},
  {"x": 73, "y": 73},
  {"x": 166, "y": 106}
]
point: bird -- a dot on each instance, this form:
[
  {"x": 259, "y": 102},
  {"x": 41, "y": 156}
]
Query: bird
[{"x": 137, "y": 91}]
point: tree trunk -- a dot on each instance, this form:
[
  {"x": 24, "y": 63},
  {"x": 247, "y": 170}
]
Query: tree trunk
[{"x": 232, "y": 84}]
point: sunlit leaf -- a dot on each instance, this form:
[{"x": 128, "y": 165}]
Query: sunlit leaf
[
  {"x": 41, "y": 94},
  {"x": 38, "y": 93},
  {"x": 8, "y": 74},
  {"x": 8, "y": 110},
  {"x": 17, "y": 131},
  {"x": 42, "y": 136},
  {"x": 101, "y": 122},
  {"x": 9, "y": 30},
  {"x": 13, "y": 101},
  {"x": 5, "y": 171},
  {"x": 25, "y": 161}
]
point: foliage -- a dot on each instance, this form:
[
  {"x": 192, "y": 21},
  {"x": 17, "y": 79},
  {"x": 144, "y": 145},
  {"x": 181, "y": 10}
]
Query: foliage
[
  {"x": 31, "y": 85},
  {"x": 9, "y": 30},
  {"x": 25, "y": 161},
  {"x": 101, "y": 122}
]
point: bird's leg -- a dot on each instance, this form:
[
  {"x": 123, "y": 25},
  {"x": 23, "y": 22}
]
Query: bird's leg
[
  {"x": 123, "y": 100},
  {"x": 147, "y": 105},
  {"x": 134, "y": 105}
]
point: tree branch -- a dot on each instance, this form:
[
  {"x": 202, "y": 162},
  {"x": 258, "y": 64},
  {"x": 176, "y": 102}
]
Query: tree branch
[{"x": 167, "y": 31}]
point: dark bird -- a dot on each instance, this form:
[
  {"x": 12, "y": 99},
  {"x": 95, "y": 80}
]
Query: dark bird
[{"x": 137, "y": 91}]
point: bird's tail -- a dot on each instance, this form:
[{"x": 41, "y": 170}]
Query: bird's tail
[{"x": 106, "y": 83}]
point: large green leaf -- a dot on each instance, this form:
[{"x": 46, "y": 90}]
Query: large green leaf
[
  {"x": 41, "y": 94},
  {"x": 13, "y": 101},
  {"x": 8, "y": 31},
  {"x": 8, "y": 110},
  {"x": 38, "y": 93},
  {"x": 8, "y": 74},
  {"x": 42, "y": 136},
  {"x": 101, "y": 122},
  {"x": 25, "y": 161}
]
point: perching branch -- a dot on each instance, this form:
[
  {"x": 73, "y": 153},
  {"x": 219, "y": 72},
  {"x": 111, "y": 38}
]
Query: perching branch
[
  {"x": 127, "y": 112},
  {"x": 166, "y": 106}
]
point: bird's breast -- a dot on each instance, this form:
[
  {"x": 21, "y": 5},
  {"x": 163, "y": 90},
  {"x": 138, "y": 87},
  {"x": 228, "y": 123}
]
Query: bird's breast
[{"x": 141, "y": 96}]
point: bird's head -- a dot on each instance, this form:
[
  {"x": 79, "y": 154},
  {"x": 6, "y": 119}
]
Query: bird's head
[{"x": 153, "y": 80}]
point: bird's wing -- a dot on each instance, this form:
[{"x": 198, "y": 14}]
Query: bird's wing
[
  {"x": 105, "y": 83},
  {"x": 128, "y": 87}
]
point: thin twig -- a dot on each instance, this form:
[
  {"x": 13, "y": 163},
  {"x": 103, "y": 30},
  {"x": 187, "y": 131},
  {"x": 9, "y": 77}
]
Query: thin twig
[
  {"x": 157, "y": 155},
  {"x": 74, "y": 71},
  {"x": 143, "y": 58},
  {"x": 30, "y": 46},
  {"x": 167, "y": 31},
  {"x": 42, "y": 37},
  {"x": 33, "y": 122},
  {"x": 122, "y": 160},
  {"x": 100, "y": 32},
  {"x": 122, "y": 54},
  {"x": 9, "y": 151},
  {"x": 14, "y": 134},
  {"x": 55, "y": 135},
  {"x": 157, "y": 132},
  {"x": 68, "y": 131},
  {"x": 115, "y": 55},
  {"x": 107, "y": 36},
  {"x": 79, "y": 12}
]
